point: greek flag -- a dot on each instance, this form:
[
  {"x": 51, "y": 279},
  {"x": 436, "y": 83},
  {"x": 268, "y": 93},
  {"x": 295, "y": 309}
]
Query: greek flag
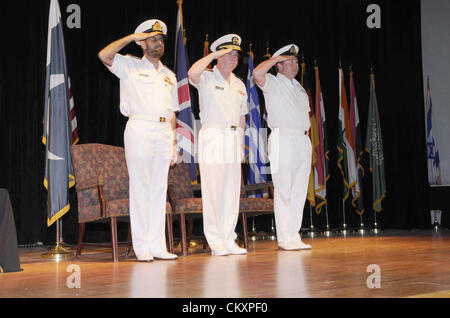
[
  {"x": 255, "y": 147},
  {"x": 185, "y": 132},
  {"x": 57, "y": 129}
]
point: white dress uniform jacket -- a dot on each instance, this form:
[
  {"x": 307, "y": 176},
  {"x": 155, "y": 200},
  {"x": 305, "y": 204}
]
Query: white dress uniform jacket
[{"x": 148, "y": 97}]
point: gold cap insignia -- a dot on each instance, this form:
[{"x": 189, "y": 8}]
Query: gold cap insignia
[
  {"x": 235, "y": 40},
  {"x": 157, "y": 27},
  {"x": 292, "y": 50}
]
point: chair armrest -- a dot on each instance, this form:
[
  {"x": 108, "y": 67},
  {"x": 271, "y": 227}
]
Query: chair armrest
[
  {"x": 98, "y": 183},
  {"x": 259, "y": 186},
  {"x": 171, "y": 195},
  {"x": 89, "y": 184}
]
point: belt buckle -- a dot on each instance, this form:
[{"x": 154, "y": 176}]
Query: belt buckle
[
  {"x": 233, "y": 127},
  {"x": 162, "y": 119}
]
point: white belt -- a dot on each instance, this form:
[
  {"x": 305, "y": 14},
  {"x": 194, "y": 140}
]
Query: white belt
[
  {"x": 221, "y": 125},
  {"x": 291, "y": 131},
  {"x": 160, "y": 119}
]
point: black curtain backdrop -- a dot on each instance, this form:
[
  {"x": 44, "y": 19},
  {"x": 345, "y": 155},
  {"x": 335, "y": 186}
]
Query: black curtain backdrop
[{"x": 326, "y": 30}]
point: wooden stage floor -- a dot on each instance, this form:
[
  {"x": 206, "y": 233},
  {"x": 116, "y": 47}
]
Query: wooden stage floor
[{"x": 411, "y": 263}]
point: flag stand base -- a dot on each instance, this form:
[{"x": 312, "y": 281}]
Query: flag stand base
[
  {"x": 312, "y": 232},
  {"x": 376, "y": 229},
  {"x": 57, "y": 253},
  {"x": 436, "y": 226},
  {"x": 344, "y": 230},
  {"x": 361, "y": 229}
]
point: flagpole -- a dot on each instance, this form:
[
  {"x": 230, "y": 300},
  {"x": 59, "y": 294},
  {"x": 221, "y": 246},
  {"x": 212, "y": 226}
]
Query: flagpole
[
  {"x": 344, "y": 224},
  {"x": 361, "y": 229},
  {"x": 59, "y": 251},
  {"x": 312, "y": 231},
  {"x": 375, "y": 229},
  {"x": 327, "y": 229},
  {"x": 253, "y": 235}
]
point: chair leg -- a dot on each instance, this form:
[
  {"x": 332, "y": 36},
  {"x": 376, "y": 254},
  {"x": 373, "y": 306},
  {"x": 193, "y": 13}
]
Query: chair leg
[
  {"x": 184, "y": 247},
  {"x": 114, "y": 245},
  {"x": 81, "y": 227},
  {"x": 169, "y": 221},
  {"x": 244, "y": 229},
  {"x": 189, "y": 232},
  {"x": 129, "y": 239}
]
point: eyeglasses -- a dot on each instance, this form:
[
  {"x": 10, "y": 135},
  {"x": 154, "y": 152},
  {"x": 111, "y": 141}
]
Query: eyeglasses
[
  {"x": 292, "y": 61},
  {"x": 234, "y": 54},
  {"x": 155, "y": 39}
]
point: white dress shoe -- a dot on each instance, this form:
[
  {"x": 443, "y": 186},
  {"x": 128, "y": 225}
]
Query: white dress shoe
[
  {"x": 236, "y": 250},
  {"x": 144, "y": 258},
  {"x": 289, "y": 246},
  {"x": 221, "y": 251},
  {"x": 303, "y": 246},
  {"x": 165, "y": 255}
]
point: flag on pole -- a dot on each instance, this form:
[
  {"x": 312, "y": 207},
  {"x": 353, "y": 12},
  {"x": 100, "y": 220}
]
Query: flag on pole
[
  {"x": 313, "y": 135},
  {"x": 57, "y": 132},
  {"x": 346, "y": 155},
  {"x": 374, "y": 146},
  {"x": 434, "y": 170},
  {"x": 264, "y": 111},
  {"x": 357, "y": 192},
  {"x": 185, "y": 118},
  {"x": 255, "y": 146},
  {"x": 321, "y": 167},
  {"x": 73, "y": 117}
]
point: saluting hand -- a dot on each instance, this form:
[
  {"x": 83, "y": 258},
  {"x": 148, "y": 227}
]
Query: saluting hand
[
  {"x": 283, "y": 58},
  {"x": 142, "y": 36},
  {"x": 220, "y": 53}
]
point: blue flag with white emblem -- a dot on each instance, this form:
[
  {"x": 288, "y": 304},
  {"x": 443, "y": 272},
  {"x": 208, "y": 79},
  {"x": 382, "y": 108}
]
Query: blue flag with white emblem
[
  {"x": 255, "y": 148},
  {"x": 434, "y": 171},
  {"x": 57, "y": 130}
]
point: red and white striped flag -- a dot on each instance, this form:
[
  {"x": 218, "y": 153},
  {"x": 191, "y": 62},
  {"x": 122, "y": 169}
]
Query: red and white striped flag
[{"x": 73, "y": 116}]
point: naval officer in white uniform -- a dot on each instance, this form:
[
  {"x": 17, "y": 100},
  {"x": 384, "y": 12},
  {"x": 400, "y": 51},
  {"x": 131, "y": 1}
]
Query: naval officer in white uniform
[
  {"x": 148, "y": 97},
  {"x": 223, "y": 105},
  {"x": 289, "y": 145}
]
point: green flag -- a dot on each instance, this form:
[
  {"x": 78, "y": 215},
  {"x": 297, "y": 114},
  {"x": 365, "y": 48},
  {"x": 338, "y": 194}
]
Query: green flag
[{"x": 374, "y": 146}]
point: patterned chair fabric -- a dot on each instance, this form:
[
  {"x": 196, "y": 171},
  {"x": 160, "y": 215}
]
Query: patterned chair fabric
[
  {"x": 182, "y": 200},
  {"x": 106, "y": 165},
  {"x": 254, "y": 206}
]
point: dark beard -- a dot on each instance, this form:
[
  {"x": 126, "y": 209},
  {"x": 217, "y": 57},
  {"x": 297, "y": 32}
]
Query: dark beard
[{"x": 156, "y": 53}]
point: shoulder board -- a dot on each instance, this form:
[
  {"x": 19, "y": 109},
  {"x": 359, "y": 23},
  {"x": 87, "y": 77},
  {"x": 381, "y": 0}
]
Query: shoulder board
[{"x": 208, "y": 69}]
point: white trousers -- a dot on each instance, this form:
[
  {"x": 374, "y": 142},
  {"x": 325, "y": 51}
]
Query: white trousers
[
  {"x": 148, "y": 151},
  {"x": 220, "y": 154},
  {"x": 290, "y": 164}
]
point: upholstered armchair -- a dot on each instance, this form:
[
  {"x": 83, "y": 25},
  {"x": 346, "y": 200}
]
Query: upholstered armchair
[
  {"x": 249, "y": 206},
  {"x": 183, "y": 203}
]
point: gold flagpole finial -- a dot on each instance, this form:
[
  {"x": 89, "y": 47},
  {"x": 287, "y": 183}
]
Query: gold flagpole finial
[{"x": 267, "y": 50}]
